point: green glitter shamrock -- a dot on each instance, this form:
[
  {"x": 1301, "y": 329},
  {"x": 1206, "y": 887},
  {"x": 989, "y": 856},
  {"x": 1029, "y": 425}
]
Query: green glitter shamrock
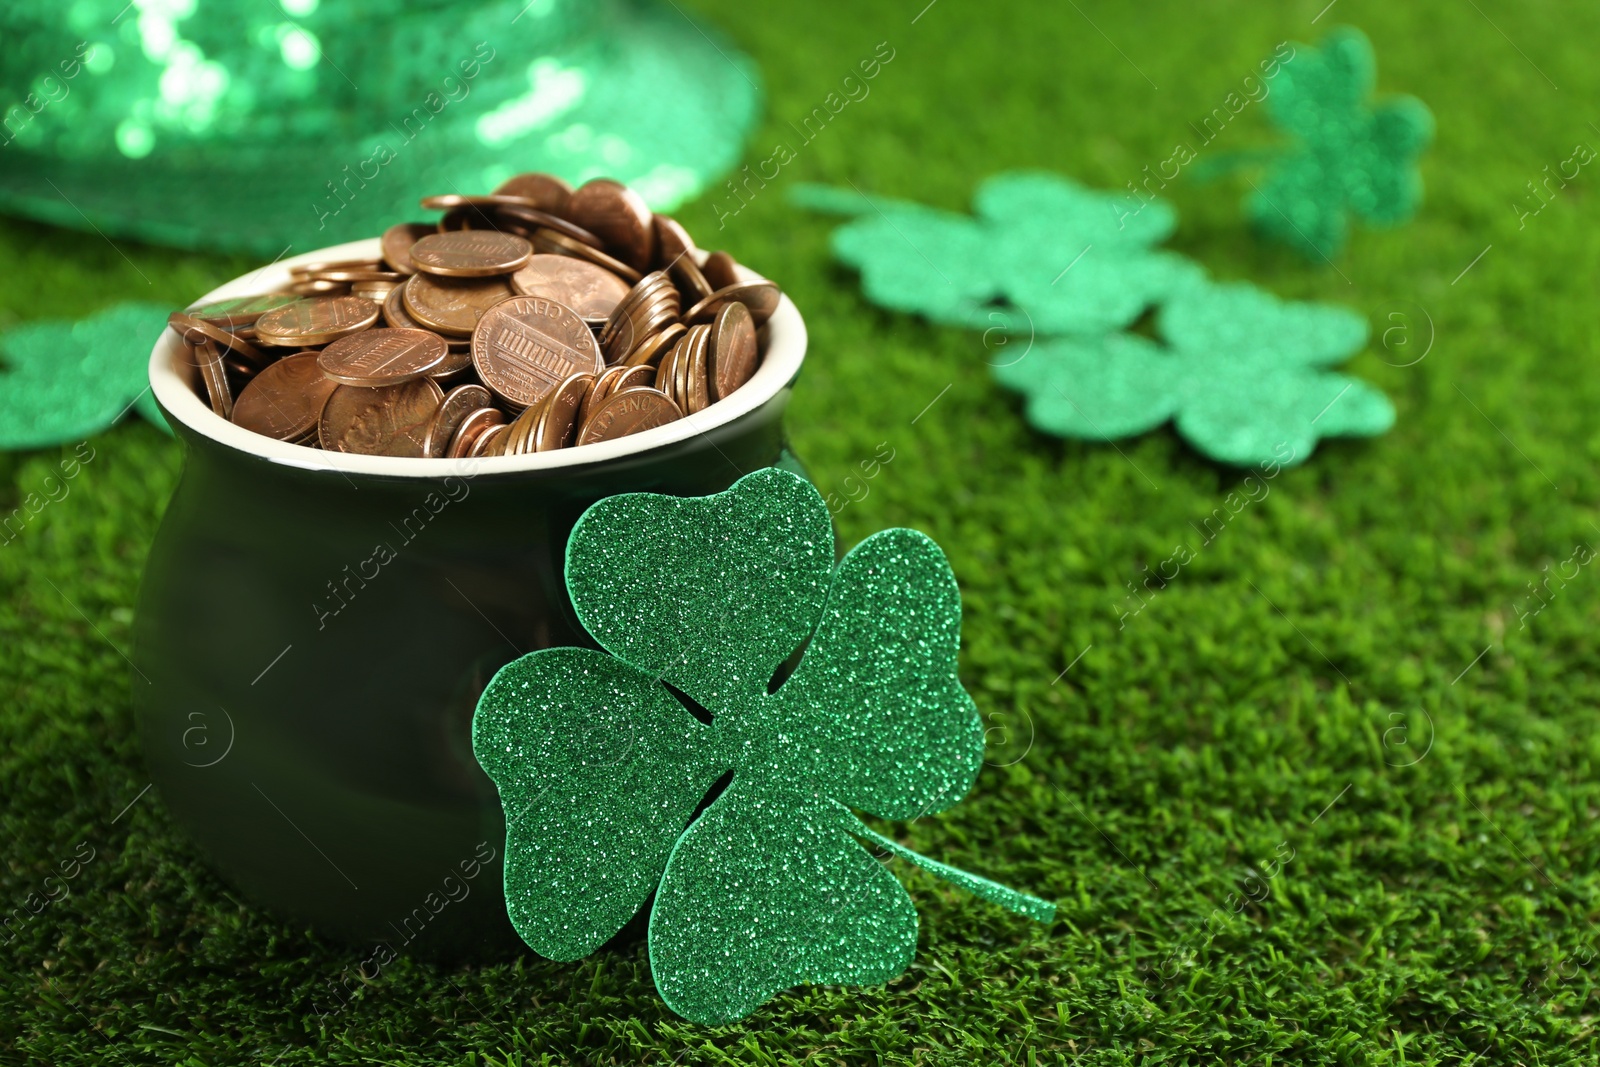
[
  {"x": 64, "y": 381},
  {"x": 1348, "y": 156},
  {"x": 1243, "y": 375},
  {"x": 604, "y": 765},
  {"x": 1070, "y": 258}
]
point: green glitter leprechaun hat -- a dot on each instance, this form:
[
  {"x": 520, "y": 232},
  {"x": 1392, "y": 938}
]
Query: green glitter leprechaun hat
[
  {"x": 305, "y": 123},
  {"x": 742, "y": 831}
]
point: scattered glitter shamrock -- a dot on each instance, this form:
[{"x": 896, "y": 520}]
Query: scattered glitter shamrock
[
  {"x": 1069, "y": 258},
  {"x": 64, "y": 381},
  {"x": 1243, "y": 375},
  {"x": 1348, "y": 156},
  {"x": 605, "y": 762}
]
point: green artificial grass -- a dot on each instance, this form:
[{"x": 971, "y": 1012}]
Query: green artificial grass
[{"x": 1347, "y": 675}]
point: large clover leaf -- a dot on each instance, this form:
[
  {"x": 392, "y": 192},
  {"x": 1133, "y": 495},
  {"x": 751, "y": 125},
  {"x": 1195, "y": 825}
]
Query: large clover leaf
[
  {"x": 1243, "y": 374},
  {"x": 63, "y": 381},
  {"x": 1347, "y": 157},
  {"x": 1066, "y": 258},
  {"x": 603, "y": 761}
]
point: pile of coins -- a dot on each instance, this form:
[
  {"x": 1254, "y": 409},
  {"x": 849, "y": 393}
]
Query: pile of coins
[{"x": 535, "y": 318}]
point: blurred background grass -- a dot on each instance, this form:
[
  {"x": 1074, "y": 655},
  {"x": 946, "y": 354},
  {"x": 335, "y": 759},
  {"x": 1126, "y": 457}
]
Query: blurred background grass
[{"x": 1342, "y": 676}]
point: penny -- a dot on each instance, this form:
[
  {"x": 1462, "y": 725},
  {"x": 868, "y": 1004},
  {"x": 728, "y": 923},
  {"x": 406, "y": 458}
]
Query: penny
[
  {"x": 733, "y": 351},
  {"x": 592, "y": 291},
  {"x": 318, "y": 287},
  {"x": 471, "y": 428},
  {"x": 649, "y": 352},
  {"x": 523, "y": 347},
  {"x": 285, "y": 400},
  {"x": 672, "y": 242},
  {"x": 551, "y": 241},
  {"x": 383, "y": 357},
  {"x": 377, "y": 292},
  {"x": 470, "y": 253},
  {"x": 686, "y": 275},
  {"x": 194, "y": 331},
  {"x": 629, "y": 412},
  {"x": 545, "y": 191},
  {"x": 558, "y": 416},
  {"x": 394, "y": 310},
  {"x": 760, "y": 298},
  {"x": 205, "y": 355},
  {"x": 390, "y": 420},
  {"x": 619, "y": 217},
  {"x": 719, "y": 269},
  {"x": 355, "y": 275},
  {"x": 241, "y": 310},
  {"x": 452, "y": 305},
  {"x": 397, "y": 241},
  {"x": 458, "y": 403},
  {"x": 316, "y": 321},
  {"x": 457, "y": 361},
  {"x": 488, "y": 443},
  {"x": 698, "y": 391},
  {"x": 543, "y": 220},
  {"x": 301, "y": 270}
]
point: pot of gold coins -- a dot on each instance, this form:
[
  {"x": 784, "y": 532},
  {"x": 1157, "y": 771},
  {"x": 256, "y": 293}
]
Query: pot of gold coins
[{"x": 387, "y": 445}]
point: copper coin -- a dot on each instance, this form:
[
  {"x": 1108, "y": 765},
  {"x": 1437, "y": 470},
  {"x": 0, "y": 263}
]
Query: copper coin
[
  {"x": 534, "y": 219},
  {"x": 317, "y": 321},
  {"x": 391, "y": 420},
  {"x": 470, "y": 253},
  {"x": 760, "y": 298},
  {"x": 458, "y": 403},
  {"x": 518, "y": 440},
  {"x": 698, "y": 390},
  {"x": 523, "y": 347},
  {"x": 649, "y": 353},
  {"x": 686, "y": 275},
  {"x": 377, "y": 292},
  {"x": 457, "y": 362},
  {"x": 490, "y": 442},
  {"x": 285, "y": 400},
  {"x": 672, "y": 242},
  {"x": 205, "y": 355},
  {"x": 319, "y": 287},
  {"x": 619, "y": 217},
  {"x": 383, "y": 356},
  {"x": 452, "y": 305},
  {"x": 471, "y": 428},
  {"x": 549, "y": 241},
  {"x": 194, "y": 331},
  {"x": 629, "y": 412},
  {"x": 592, "y": 291},
  {"x": 614, "y": 379},
  {"x": 241, "y": 310},
  {"x": 545, "y": 191},
  {"x": 719, "y": 270},
  {"x": 394, "y": 310},
  {"x": 734, "y": 350},
  {"x": 302, "y": 270},
  {"x": 694, "y": 351},
  {"x": 397, "y": 241},
  {"x": 558, "y": 417},
  {"x": 353, "y": 275},
  {"x": 667, "y": 369}
]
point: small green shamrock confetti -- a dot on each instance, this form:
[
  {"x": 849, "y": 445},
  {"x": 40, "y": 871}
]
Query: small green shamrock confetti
[
  {"x": 1243, "y": 375},
  {"x": 1069, "y": 258},
  {"x": 604, "y": 764},
  {"x": 64, "y": 381},
  {"x": 1348, "y": 156}
]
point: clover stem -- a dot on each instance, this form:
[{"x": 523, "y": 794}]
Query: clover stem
[{"x": 1010, "y": 899}]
